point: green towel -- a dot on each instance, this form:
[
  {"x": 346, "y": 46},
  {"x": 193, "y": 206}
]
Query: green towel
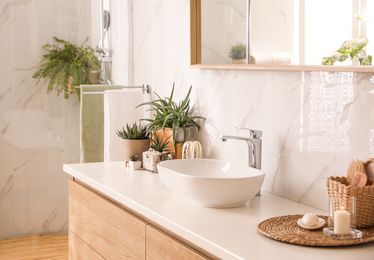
[{"x": 92, "y": 122}]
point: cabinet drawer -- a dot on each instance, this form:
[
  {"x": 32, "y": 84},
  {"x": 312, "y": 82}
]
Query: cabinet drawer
[
  {"x": 78, "y": 250},
  {"x": 162, "y": 246},
  {"x": 104, "y": 226}
]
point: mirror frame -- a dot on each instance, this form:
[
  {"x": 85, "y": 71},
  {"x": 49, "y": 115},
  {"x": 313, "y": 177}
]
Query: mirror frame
[{"x": 195, "y": 41}]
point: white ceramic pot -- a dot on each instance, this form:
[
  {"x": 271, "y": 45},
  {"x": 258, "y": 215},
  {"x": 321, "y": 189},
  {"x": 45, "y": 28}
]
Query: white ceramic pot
[
  {"x": 135, "y": 165},
  {"x": 179, "y": 136}
]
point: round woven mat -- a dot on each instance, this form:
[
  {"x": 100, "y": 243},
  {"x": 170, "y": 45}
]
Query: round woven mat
[{"x": 285, "y": 229}]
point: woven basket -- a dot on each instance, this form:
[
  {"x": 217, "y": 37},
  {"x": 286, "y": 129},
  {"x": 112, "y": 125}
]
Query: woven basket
[{"x": 338, "y": 188}]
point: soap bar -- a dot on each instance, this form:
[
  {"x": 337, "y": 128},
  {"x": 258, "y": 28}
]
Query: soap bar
[{"x": 310, "y": 219}]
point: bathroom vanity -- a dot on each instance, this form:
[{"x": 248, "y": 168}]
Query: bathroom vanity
[{"x": 118, "y": 213}]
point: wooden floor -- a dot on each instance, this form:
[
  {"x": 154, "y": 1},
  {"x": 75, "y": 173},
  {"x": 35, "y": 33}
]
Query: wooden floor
[{"x": 35, "y": 247}]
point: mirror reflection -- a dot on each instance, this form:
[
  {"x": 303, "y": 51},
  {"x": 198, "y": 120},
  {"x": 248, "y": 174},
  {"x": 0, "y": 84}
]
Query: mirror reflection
[{"x": 283, "y": 32}]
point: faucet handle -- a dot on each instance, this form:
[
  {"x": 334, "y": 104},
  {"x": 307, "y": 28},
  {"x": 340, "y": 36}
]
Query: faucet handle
[{"x": 252, "y": 133}]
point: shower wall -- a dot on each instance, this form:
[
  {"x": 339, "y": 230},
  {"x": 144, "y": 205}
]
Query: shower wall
[{"x": 38, "y": 131}]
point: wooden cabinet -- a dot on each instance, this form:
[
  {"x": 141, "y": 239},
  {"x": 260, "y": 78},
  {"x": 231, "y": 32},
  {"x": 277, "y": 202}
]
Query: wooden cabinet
[
  {"x": 162, "y": 246},
  {"x": 100, "y": 229},
  {"x": 109, "y": 230},
  {"x": 79, "y": 250}
]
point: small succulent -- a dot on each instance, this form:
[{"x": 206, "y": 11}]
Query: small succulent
[
  {"x": 166, "y": 157},
  {"x": 238, "y": 51},
  {"x": 133, "y": 157},
  {"x": 159, "y": 145},
  {"x": 133, "y": 132}
]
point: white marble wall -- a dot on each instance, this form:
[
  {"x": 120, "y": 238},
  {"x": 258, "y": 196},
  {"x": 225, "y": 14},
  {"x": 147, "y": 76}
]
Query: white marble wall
[
  {"x": 313, "y": 123},
  {"x": 38, "y": 132}
]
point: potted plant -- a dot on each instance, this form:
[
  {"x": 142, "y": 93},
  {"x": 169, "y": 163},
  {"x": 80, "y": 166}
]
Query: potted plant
[
  {"x": 171, "y": 119},
  {"x": 135, "y": 139},
  {"x": 350, "y": 49},
  {"x": 134, "y": 163},
  {"x": 238, "y": 53},
  {"x": 67, "y": 65},
  {"x": 158, "y": 152}
]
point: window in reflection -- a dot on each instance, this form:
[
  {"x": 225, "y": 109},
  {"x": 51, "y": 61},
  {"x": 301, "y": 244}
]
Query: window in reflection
[
  {"x": 327, "y": 33},
  {"x": 299, "y": 32}
]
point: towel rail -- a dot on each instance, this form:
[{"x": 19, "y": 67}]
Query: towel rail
[{"x": 146, "y": 89}]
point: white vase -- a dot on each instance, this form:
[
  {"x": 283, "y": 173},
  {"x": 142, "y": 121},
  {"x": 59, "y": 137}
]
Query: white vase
[{"x": 179, "y": 136}]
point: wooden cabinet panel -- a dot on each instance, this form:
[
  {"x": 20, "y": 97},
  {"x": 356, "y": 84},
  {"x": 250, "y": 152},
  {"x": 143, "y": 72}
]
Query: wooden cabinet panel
[
  {"x": 78, "y": 250},
  {"x": 104, "y": 226},
  {"x": 161, "y": 246}
]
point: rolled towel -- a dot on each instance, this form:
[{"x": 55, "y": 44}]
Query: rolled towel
[
  {"x": 261, "y": 59},
  {"x": 280, "y": 58}
]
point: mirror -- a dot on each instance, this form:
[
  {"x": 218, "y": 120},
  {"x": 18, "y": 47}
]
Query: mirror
[{"x": 282, "y": 35}]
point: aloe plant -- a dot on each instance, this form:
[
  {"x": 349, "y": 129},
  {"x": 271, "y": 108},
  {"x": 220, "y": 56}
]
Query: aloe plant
[
  {"x": 133, "y": 132},
  {"x": 168, "y": 114},
  {"x": 159, "y": 145}
]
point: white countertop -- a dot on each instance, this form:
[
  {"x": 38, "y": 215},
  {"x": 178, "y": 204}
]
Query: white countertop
[{"x": 226, "y": 233}]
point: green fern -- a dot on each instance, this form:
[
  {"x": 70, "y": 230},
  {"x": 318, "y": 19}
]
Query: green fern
[{"x": 66, "y": 64}]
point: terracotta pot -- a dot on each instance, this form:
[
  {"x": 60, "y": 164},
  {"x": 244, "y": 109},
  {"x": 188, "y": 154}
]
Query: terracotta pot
[
  {"x": 163, "y": 134},
  {"x": 239, "y": 61},
  {"x": 178, "y": 150},
  {"x": 136, "y": 147}
]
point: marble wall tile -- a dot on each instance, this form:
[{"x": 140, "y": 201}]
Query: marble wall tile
[
  {"x": 313, "y": 123},
  {"x": 38, "y": 131}
]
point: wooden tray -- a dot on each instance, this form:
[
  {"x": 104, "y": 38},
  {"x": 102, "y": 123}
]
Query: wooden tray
[{"x": 285, "y": 229}]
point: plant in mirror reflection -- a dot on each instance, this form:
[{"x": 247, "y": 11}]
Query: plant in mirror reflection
[
  {"x": 350, "y": 49},
  {"x": 238, "y": 51}
]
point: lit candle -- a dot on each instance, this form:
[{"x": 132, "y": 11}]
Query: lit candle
[{"x": 342, "y": 222}]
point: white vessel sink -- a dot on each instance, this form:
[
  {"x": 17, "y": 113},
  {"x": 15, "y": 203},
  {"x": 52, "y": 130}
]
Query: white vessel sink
[{"x": 211, "y": 183}]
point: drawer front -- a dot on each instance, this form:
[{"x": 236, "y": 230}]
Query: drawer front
[
  {"x": 104, "y": 226},
  {"x": 162, "y": 246},
  {"x": 78, "y": 250}
]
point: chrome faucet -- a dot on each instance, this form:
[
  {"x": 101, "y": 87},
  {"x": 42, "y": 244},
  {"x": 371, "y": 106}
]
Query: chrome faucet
[{"x": 254, "y": 142}]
